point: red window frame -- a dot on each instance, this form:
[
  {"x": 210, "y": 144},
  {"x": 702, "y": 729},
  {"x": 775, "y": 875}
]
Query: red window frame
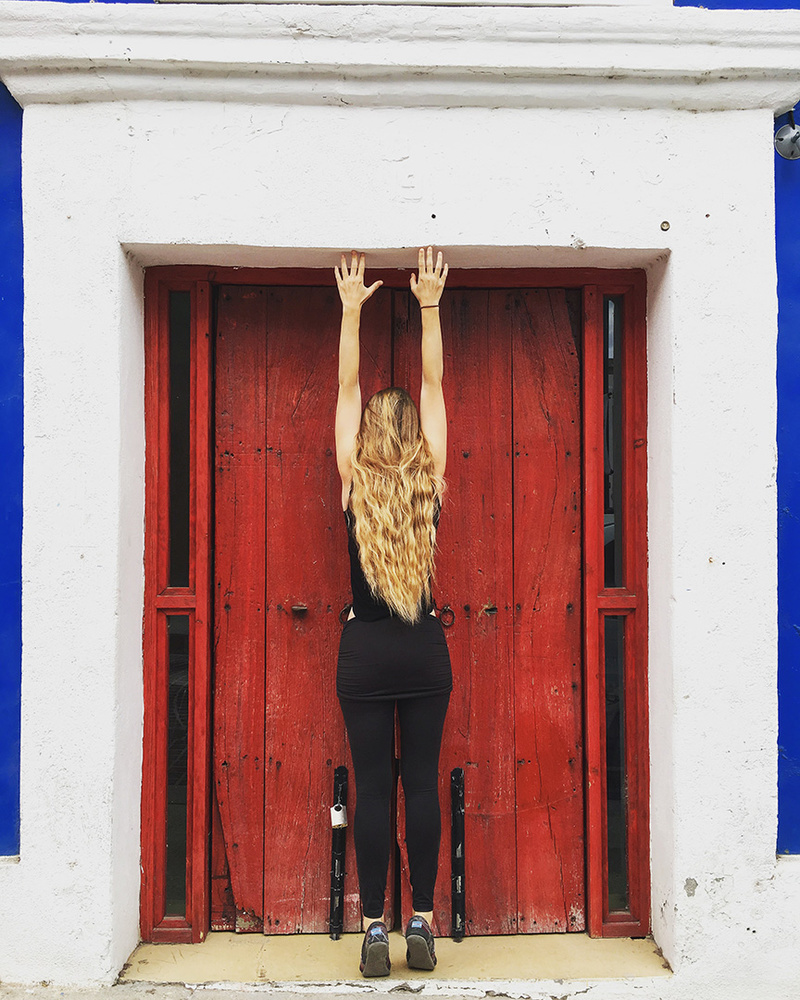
[
  {"x": 629, "y": 601},
  {"x": 161, "y": 600}
]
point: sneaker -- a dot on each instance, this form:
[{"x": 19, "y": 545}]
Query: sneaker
[
  {"x": 375, "y": 951},
  {"x": 420, "y": 950}
]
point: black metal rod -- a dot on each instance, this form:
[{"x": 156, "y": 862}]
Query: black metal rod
[
  {"x": 338, "y": 846},
  {"x": 458, "y": 898}
]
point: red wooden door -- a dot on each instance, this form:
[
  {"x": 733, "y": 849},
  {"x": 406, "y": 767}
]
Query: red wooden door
[{"x": 509, "y": 565}]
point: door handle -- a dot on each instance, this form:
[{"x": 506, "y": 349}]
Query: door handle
[
  {"x": 447, "y": 616},
  {"x": 299, "y": 609}
]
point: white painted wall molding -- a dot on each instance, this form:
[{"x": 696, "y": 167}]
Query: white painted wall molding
[{"x": 401, "y": 56}]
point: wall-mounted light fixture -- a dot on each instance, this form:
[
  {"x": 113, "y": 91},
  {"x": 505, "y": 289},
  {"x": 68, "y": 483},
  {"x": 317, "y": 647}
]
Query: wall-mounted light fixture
[{"x": 787, "y": 139}]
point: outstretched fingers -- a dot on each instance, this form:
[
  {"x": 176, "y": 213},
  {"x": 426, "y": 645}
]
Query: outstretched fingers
[
  {"x": 426, "y": 263},
  {"x": 340, "y": 272},
  {"x": 427, "y": 285},
  {"x": 350, "y": 280}
]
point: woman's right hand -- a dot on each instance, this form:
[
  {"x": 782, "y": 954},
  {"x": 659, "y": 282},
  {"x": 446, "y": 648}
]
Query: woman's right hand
[
  {"x": 352, "y": 290},
  {"x": 428, "y": 288}
]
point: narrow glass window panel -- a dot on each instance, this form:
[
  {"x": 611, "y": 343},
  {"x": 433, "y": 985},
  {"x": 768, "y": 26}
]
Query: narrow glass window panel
[
  {"x": 177, "y": 761},
  {"x": 612, "y": 436},
  {"x": 180, "y": 305},
  {"x": 616, "y": 776}
]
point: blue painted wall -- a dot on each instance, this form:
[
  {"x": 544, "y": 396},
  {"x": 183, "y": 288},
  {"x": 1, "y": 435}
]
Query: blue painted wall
[
  {"x": 787, "y": 205},
  {"x": 10, "y": 466}
]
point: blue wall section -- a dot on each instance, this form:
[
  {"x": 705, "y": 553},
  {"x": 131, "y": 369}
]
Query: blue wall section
[
  {"x": 787, "y": 205},
  {"x": 10, "y": 465}
]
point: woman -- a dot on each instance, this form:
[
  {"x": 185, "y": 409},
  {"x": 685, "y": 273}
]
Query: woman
[{"x": 393, "y": 651}]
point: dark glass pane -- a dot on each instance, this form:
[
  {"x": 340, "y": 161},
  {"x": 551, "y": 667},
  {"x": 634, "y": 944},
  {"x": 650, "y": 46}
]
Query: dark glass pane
[
  {"x": 612, "y": 436},
  {"x": 616, "y": 777},
  {"x": 180, "y": 304},
  {"x": 177, "y": 758}
]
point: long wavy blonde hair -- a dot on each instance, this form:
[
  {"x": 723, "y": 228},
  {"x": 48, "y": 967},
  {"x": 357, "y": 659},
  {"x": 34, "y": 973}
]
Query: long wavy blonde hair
[{"x": 393, "y": 500}]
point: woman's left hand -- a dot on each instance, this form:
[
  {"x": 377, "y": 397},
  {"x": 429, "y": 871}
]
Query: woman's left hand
[
  {"x": 352, "y": 290},
  {"x": 429, "y": 286}
]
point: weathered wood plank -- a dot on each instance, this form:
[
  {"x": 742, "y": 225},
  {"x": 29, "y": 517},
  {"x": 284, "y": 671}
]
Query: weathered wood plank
[
  {"x": 240, "y": 497},
  {"x": 223, "y": 908},
  {"x": 547, "y": 599}
]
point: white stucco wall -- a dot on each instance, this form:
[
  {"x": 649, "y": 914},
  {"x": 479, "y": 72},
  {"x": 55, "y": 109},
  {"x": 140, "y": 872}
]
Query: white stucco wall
[{"x": 114, "y": 186}]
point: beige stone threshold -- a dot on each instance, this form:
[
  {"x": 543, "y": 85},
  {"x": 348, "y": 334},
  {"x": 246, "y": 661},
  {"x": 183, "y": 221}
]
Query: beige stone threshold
[{"x": 313, "y": 960}]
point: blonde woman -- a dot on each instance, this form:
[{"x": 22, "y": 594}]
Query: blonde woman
[{"x": 393, "y": 652}]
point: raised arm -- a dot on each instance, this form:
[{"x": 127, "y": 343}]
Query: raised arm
[
  {"x": 428, "y": 288},
  {"x": 353, "y": 294}
]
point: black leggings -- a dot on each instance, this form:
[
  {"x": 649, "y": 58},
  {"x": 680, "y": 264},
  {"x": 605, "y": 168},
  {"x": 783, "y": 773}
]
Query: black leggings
[{"x": 370, "y": 729}]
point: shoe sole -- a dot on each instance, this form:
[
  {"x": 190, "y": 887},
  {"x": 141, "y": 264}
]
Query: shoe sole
[
  {"x": 418, "y": 956},
  {"x": 377, "y": 960}
]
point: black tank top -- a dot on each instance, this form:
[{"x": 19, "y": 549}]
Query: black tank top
[{"x": 366, "y": 605}]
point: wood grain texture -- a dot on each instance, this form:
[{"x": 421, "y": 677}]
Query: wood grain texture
[
  {"x": 547, "y": 598},
  {"x": 223, "y": 907},
  {"x": 240, "y": 499}
]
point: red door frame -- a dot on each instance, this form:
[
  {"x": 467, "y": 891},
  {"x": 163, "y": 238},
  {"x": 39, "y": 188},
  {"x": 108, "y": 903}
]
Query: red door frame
[{"x": 195, "y": 600}]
